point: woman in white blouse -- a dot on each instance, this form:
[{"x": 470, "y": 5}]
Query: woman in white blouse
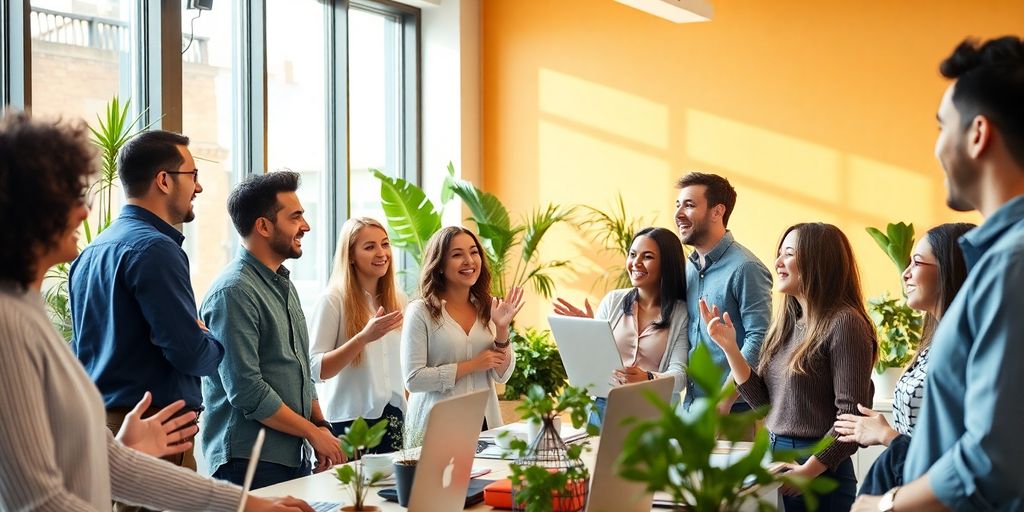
[
  {"x": 356, "y": 328},
  {"x": 455, "y": 338},
  {"x": 649, "y": 319},
  {"x": 933, "y": 278}
]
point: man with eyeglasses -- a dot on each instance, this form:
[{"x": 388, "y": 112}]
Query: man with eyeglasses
[{"x": 135, "y": 325}]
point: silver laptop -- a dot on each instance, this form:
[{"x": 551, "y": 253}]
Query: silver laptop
[
  {"x": 449, "y": 445},
  {"x": 608, "y": 491},
  {"x": 588, "y": 352},
  {"x": 250, "y": 470}
]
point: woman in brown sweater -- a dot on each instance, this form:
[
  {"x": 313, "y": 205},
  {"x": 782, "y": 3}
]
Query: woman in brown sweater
[{"x": 816, "y": 360}]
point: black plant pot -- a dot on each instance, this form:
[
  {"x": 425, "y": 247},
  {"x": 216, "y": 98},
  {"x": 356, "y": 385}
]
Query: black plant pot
[{"x": 405, "y": 472}]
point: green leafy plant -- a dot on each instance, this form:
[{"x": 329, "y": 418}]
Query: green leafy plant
[
  {"x": 537, "y": 363},
  {"x": 112, "y": 131},
  {"x": 357, "y": 439},
  {"x": 614, "y": 230},
  {"x": 899, "y": 327},
  {"x": 653, "y": 451},
  {"x": 535, "y": 488}
]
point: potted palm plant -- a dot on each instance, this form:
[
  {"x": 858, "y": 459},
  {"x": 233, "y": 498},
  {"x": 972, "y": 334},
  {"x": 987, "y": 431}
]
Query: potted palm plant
[{"x": 356, "y": 440}]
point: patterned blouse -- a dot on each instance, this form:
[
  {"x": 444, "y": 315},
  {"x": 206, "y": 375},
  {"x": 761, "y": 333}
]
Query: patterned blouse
[{"x": 909, "y": 393}]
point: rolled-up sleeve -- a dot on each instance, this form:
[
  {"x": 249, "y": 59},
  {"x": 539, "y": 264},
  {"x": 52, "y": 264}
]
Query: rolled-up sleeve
[
  {"x": 982, "y": 470},
  {"x": 504, "y": 377},
  {"x": 161, "y": 284},
  {"x": 323, "y": 327},
  {"x": 232, "y": 315},
  {"x": 752, "y": 287},
  {"x": 419, "y": 377}
]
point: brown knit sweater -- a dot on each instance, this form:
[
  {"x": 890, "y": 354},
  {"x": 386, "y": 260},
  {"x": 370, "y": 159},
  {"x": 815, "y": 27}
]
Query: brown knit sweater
[{"x": 838, "y": 378}]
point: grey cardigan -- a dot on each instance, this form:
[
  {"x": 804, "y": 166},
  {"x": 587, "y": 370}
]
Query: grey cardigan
[{"x": 673, "y": 361}]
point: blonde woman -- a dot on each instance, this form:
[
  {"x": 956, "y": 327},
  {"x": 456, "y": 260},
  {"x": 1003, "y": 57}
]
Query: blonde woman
[
  {"x": 356, "y": 330},
  {"x": 455, "y": 339}
]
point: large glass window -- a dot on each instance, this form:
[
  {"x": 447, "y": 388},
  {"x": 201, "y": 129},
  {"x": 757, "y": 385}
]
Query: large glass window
[{"x": 297, "y": 126}]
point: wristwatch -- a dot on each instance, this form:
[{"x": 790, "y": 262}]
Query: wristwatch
[
  {"x": 650, "y": 375},
  {"x": 888, "y": 501},
  {"x": 502, "y": 344}
]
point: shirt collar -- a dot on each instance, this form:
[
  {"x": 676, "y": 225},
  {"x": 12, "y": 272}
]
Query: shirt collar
[
  {"x": 131, "y": 211},
  {"x": 716, "y": 253},
  {"x": 262, "y": 269},
  {"x": 978, "y": 240}
]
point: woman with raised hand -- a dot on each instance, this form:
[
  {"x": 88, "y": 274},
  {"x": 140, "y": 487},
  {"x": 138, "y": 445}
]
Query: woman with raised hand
[
  {"x": 56, "y": 452},
  {"x": 649, "y": 319},
  {"x": 933, "y": 278},
  {"x": 356, "y": 331},
  {"x": 455, "y": 337},
  {"x": 816, "y": 360}
]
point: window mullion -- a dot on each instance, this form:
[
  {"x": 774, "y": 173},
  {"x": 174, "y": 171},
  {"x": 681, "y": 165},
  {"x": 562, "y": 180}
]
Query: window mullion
[{"x": 15, "y": 54}]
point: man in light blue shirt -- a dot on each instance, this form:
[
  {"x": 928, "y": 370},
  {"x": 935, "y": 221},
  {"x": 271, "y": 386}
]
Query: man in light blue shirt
[
  {"x": 722, "y": 272},
  {"x": 967, "y": 451}
]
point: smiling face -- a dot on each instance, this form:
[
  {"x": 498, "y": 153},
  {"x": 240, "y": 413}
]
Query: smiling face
[
  {"x": 921, "y": 279},
  {"x": 288, "y": 227},
  {"x": 643, "y": 263},
  {"x": 462, "y": 261},
  {"x": 371, "y": 252},
  {"x": 786, "y": 266},
  {"x": 693, "y": 219},
  {"x": 961, "y": 172}
]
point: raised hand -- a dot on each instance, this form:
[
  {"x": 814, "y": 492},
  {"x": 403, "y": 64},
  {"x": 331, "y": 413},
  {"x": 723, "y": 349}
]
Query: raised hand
[
  {"x": 562, "y": 307},
  {"x": 720, "y": 327},
  {"x": 380, "y": 324},
  {"x": 158, "y": 435},
  {"x": 867, "y": 430},
  {"x": 504, "y": 310}
]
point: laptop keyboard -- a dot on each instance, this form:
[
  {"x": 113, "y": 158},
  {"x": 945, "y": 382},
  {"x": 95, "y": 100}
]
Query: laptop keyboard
[{"x": 325, "y": 506}]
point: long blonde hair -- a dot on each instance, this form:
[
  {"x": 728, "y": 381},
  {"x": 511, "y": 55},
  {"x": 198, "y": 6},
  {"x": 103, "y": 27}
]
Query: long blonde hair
[
  {"x": 343, "y": 278},
  {"x": 830, "y": 282}
]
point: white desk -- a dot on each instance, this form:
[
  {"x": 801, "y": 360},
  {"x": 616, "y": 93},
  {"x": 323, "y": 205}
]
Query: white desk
[{"x": 324, "y": 487}]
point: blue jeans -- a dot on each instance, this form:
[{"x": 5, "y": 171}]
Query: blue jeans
[
  {"x": 392, "y": 441},
  {"x": 597, "y": 415},
  {"x": 841, "y": 499},
  {"x": 267, "y": 473}
]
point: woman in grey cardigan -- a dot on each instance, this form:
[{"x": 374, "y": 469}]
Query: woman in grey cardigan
[{"x": 649, "y": 319}]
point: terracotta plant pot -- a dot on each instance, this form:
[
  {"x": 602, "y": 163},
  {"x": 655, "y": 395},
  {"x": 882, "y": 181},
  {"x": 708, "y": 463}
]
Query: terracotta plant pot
[
  {"x": 366, "y": 508},
  {"x": 405, "y": 472}
]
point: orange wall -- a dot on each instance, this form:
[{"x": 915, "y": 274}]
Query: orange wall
[{"x": 814, "y": 110}]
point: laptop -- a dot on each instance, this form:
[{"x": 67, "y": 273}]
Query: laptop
[
  {"x": 250, "y": 470},
  {"x": 446, "y": 459},
  {"x": 609, "y": 491},
  {"x": 588, "y": 351}
]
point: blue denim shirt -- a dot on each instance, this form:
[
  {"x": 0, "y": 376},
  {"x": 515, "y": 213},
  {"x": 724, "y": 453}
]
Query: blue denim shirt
[
  {"x": 134, "y": 314},
  {"x": 256, "y": 313},
  {"x": 738, "y": 283},
  {"x": 968, "y": 435}
]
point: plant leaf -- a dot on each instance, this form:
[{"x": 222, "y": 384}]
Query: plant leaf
[{"x": 411, "y": 216}]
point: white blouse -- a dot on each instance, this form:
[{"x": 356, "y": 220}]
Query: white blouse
[
  {"x": 431, "y": 352},
  {"x": 358, "y": 390}
]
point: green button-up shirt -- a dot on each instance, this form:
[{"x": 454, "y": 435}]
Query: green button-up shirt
[{"x": 256, "y": 314}]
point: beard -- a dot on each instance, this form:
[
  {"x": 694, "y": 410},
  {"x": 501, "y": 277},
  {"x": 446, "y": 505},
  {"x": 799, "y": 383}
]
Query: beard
[
  {"x": 282, "y": 246},
  {"x": 961, "y": 177},
  {"x": 190, "y": 215},
  {"x": 698, "y": 233}
]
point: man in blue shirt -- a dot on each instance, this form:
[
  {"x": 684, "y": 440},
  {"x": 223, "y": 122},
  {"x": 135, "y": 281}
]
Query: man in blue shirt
[
  {"x": 966, "y": 451},
  {"x": 722, "y": 272},
  {"x": 132, "y": 306},
  {"x": 265, "y": 378}
]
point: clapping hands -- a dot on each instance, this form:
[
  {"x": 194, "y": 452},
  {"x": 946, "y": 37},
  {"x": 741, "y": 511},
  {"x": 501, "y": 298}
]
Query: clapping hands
[
  {"x": 564, "y": 308},
  {"x": 720, "y": 327}
]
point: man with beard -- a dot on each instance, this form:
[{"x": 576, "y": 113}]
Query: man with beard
[
  {"x": 966, "y": 452},
  {"x": 723, "y": 273},
  {"x": 132, "y": 306},
  {"x": 264, "y": 380}
]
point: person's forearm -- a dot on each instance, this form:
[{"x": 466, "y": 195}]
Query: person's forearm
[
  {"x": 336, "y": 360},
  {"x": 501, "y": 334},
  {"x": 316, "y": 414},
  {"x": 738, "y": 365},
  {"x": 917, "y": 496},
  {"x": 890, "y": 435},
  {"x": 465, "y": 368},
  {"x": 287, "y": 421}
]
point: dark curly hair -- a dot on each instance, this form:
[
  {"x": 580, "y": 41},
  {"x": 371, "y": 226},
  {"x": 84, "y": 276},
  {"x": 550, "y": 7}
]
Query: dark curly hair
[
  {"x": 256, "y": 197},
  {"x": 45, "y": 168}
]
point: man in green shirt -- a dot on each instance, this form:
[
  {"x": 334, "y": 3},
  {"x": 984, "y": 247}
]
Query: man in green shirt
[{"x": 264, "y": 379}]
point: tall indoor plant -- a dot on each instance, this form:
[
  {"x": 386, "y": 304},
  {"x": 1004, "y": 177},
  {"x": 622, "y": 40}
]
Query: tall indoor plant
[{"x": 614, "y": 230}]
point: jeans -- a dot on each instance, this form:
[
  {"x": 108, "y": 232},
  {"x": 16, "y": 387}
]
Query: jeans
[
  {"x": 887, "y": 471},
  {"x": 597, "y": 415},
  {"x": 267, "y": 473},
  {"x": 392, "y": 441},
  {"x": 841, "y": 499}
]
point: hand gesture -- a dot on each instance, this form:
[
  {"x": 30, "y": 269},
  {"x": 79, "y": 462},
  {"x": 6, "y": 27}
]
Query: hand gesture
[
  {"x": 381, "y": 324},
  {"x": 504, "y": 310},
  {"x": 325, "y": 446},
  {"x": 867, "y": 430},
  {"x": 562, "y": 307},
  {"x": 629, "y": 375},
  {"x": 720, "y": 327},
  {"x": 157, "y": 435},
  {"x": 286, "y": 504}
]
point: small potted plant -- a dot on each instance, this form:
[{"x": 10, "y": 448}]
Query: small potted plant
[
  {"x": 356, "y": 440},
  {"x": 405, "y": 463},
  {"x": 537, "y": 362}
]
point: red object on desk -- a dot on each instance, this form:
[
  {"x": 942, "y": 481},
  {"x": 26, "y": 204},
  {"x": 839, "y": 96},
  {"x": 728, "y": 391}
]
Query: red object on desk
[{"x": 499, "y": 495}]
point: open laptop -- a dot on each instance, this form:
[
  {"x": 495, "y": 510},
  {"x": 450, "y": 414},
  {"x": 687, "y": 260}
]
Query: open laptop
[
  {"x": 250, "y": 470},
  {"x": 608, "y": 491},
  {"x": 588, "y": 352},
  {"x": 446, "y": 460}
]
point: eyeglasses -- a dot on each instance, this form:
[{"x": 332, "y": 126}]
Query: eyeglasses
[{"x": 195, "y": 174}]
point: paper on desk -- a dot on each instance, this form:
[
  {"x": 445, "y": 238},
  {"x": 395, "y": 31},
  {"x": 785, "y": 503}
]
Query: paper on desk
[{"x": 568, "y": 433}]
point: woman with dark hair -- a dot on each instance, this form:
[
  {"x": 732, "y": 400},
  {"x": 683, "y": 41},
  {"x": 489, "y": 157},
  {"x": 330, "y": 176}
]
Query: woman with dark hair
[
  {"x": 56, "y": 452},
  {"x": 649, "y": 319},
  {"x": 934, "y": 276},
  {"x": 455, "y": 337},
  {"x": 816, "y": 359}
]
